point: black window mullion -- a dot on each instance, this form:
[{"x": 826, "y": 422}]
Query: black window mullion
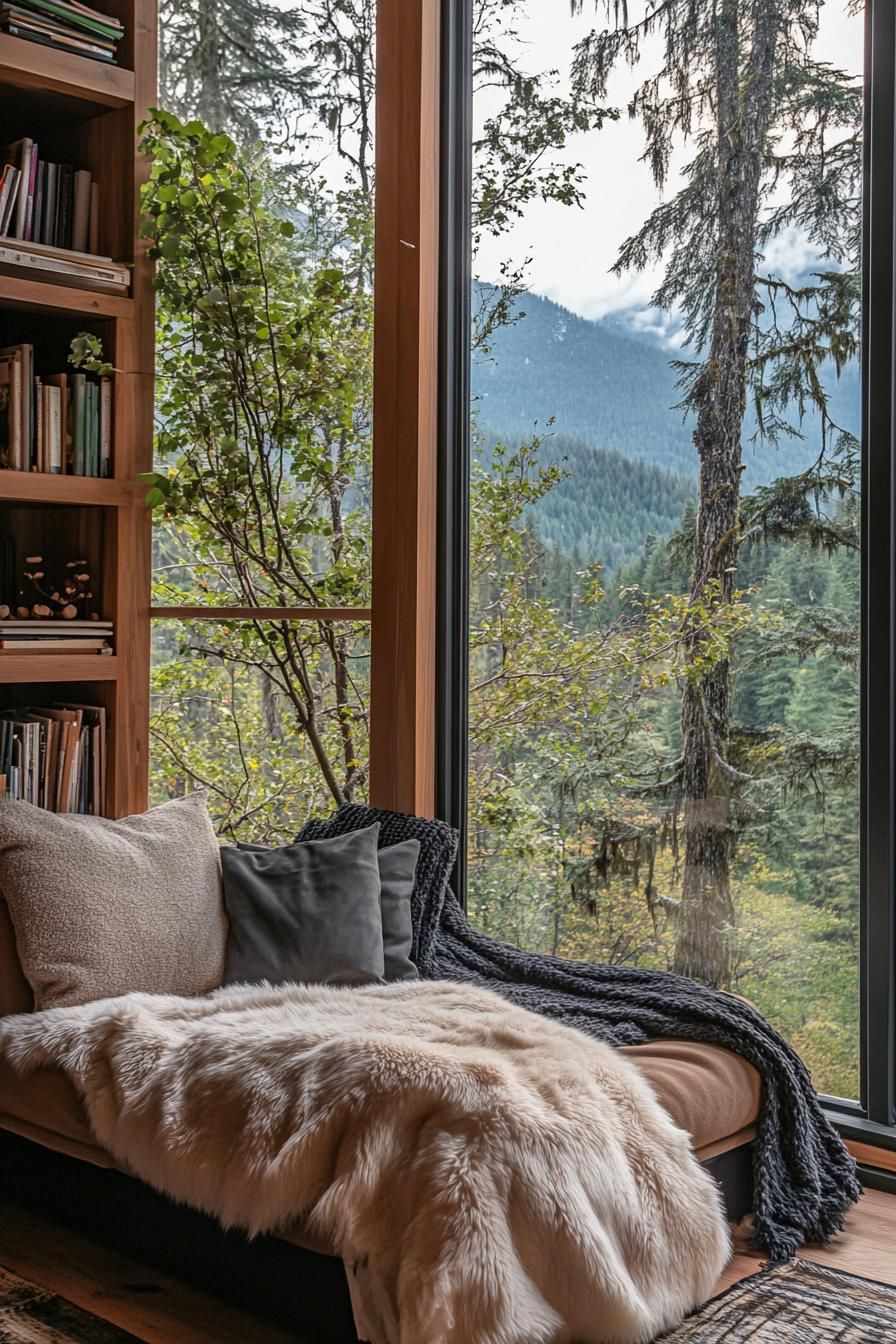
[
  {"x": 879, "y": 664},
  {"x": 454, "y": 420}
]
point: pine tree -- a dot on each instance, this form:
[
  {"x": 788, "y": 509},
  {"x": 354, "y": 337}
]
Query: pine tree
[
  {"x": 235, "y": 65},
  {"x": 737, "y": 77}
]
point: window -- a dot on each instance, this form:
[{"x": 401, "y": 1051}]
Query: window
[
  {"x": 267, "y": 666},
  {"x": 665, "y": 667}
]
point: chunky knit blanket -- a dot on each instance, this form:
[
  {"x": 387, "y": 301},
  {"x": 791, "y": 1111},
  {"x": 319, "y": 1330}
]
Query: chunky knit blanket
[{"x": 804, "y": 1178}]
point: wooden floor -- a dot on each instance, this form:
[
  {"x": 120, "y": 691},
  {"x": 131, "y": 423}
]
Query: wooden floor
[
  {"x": 866, "y": 1246},
  {"x": 162, "y": 1310}
]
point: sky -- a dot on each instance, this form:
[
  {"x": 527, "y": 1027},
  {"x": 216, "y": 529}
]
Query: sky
[{"x": 572, "y": 250}]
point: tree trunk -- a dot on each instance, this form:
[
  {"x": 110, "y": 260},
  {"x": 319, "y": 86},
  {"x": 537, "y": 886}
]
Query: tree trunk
[
  {"x": 210, "y": 96},
  {"x": 743, "y": 111}
]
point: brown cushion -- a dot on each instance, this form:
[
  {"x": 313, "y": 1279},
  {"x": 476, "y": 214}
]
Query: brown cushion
[
  {"x": 15, "y": 992},
  {"x": 46, "y": 1101},
  {"x": 710, "y": 1092}
]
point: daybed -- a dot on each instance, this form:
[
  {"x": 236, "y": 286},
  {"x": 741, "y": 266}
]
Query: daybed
[{"x": 710, "y": 1092}]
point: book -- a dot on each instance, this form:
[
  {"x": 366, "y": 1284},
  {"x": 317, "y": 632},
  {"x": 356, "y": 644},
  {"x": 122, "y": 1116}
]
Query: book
[
  {"x": 92, "y": 454},
  {"x": 56, "y": 422},
  {"x": 10, "y": 407},
  {"x": 13, "y": 11},
  {"x": 22, "y": 148},
  {"x": 105, "y": 426},
  {"x": 16, "y": 257},
  {"x": 57, "y": 627},
  {"x": 53, "y": 429},
  {"x": 22, "y": 409},
  {"x": 60, "y": 210},
  {"x": 77, "y": 16},
  {"x": 48, "y": 214},
  {"x": 78, "y": 404},
  {"x": 33, "y": 159},
  {"x": 59, "y": 41},
  {"x": 21, "y": 412},
  {"x": 35, "y": 460},
  {"x": 59, "y": 381},
  {"x": 9, "y": 185},
  {"x": 39, "y": 189},
  {"x": 17, "y": 644},
  {"x": 64, "y": 206},
  {"x": 81, "y": 214},
  {"x": 69, "y": 254}
]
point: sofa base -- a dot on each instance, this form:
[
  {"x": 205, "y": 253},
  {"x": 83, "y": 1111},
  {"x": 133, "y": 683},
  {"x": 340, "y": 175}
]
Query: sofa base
[
  {"x": 284, "y": 1284},
  {"x": 287, "y": 1286}
]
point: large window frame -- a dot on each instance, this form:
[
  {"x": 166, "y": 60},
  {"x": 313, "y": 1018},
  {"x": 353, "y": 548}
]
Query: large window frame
[{"x": 870, "y": 1124}]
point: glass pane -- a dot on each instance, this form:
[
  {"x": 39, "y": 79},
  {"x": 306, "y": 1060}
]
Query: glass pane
[
  {"x": 664, "y": 705},
  {"x": 273, "y": 746},
  {"x": 260, "y": 220}
]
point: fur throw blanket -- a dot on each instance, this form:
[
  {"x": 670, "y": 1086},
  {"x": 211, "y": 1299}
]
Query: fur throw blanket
[
  {"x": 488, "y": 1176},
  {"x": 804, "y": 1178}
]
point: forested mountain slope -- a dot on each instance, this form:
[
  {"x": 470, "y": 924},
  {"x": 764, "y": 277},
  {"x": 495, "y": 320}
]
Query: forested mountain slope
[
  {"x": 614, "y": 389},
  {"x": 607, "y": 503}
]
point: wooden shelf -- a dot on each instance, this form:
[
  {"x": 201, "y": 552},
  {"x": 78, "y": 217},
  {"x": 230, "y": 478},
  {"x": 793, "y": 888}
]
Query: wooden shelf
[
  {"x": 43, "y": 488},
  {"x": 37, "y": 668},
  {"x": 88, "y": 113},
  {"x": 39, "y": 295},
  {"x": 34, "y": 68}
]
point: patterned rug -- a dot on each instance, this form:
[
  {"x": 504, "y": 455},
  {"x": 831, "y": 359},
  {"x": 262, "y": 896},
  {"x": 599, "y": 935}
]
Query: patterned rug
[
  {"x": 796, "y": 1303},
  {"x": 31, "y": 1315}
]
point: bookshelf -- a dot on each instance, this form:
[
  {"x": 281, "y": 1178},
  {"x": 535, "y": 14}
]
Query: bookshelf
[{"x": 84, "y": 111}]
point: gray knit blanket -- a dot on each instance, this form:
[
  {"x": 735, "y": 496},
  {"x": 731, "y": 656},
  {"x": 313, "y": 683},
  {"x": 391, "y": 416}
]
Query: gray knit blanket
[{"x": 804, "y": 1178}]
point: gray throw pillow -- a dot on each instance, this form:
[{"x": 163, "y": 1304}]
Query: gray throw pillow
[
  {"x": 398, "y": 866},
  {"x": 103, "y": 907},
  {"x": 306, "y": 912}
]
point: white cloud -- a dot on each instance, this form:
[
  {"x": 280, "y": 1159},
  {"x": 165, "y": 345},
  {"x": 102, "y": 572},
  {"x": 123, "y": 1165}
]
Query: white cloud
[{"x": 572, "y": 251}]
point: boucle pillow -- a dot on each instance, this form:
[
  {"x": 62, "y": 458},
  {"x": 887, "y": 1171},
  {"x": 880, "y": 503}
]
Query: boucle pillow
[
  {"x": 15, "y": 991},
  {"x": 102, "y": 907}
]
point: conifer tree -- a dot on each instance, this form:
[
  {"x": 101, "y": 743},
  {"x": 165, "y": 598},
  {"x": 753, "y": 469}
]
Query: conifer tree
[
  {"x": 234, "y": 65},
  {"x": 775, "y": 134}
]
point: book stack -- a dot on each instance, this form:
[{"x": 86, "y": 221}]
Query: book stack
[
  {"x": 54, "y": 757},
  {"x": 47, "y": 203},
  {"x": 57, "y": 422},
  {"x": 49, "y": 222},
  {"x": 64, "y": 24},
  {"x": 31, "y": 636}
]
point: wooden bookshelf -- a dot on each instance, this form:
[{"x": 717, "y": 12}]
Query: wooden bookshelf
[
  {"x": 30, "y": 66},
  {"x": 40, "y": 297},
  {"x": 44, "y": 669},
  {"x": 90, "y": 112}
]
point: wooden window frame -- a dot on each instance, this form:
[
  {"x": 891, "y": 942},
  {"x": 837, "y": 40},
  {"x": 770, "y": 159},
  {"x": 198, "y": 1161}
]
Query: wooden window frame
[{"x": 403, "y": 610}]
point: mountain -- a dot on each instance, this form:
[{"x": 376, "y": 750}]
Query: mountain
[
  {"x": 607, "y": 503},
  {"x": 612, "y": 388}
]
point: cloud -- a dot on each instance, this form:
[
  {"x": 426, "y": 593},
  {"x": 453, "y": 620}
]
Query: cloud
[{"x": 572, "y": 250}]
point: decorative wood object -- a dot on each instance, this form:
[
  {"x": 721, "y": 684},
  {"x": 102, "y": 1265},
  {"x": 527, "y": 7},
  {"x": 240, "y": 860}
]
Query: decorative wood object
[{"x": 89, "y": 113}]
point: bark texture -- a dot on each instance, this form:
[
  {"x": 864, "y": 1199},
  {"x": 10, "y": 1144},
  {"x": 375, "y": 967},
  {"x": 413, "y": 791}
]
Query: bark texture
[{"x": 744, "y": 99}]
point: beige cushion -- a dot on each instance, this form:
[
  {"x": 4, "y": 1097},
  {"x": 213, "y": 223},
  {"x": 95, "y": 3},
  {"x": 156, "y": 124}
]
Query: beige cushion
[
  {"x": 105, "y": 907},
  {"x": 708, "y": 1091},
  {"x": 15, "y": 991}
]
